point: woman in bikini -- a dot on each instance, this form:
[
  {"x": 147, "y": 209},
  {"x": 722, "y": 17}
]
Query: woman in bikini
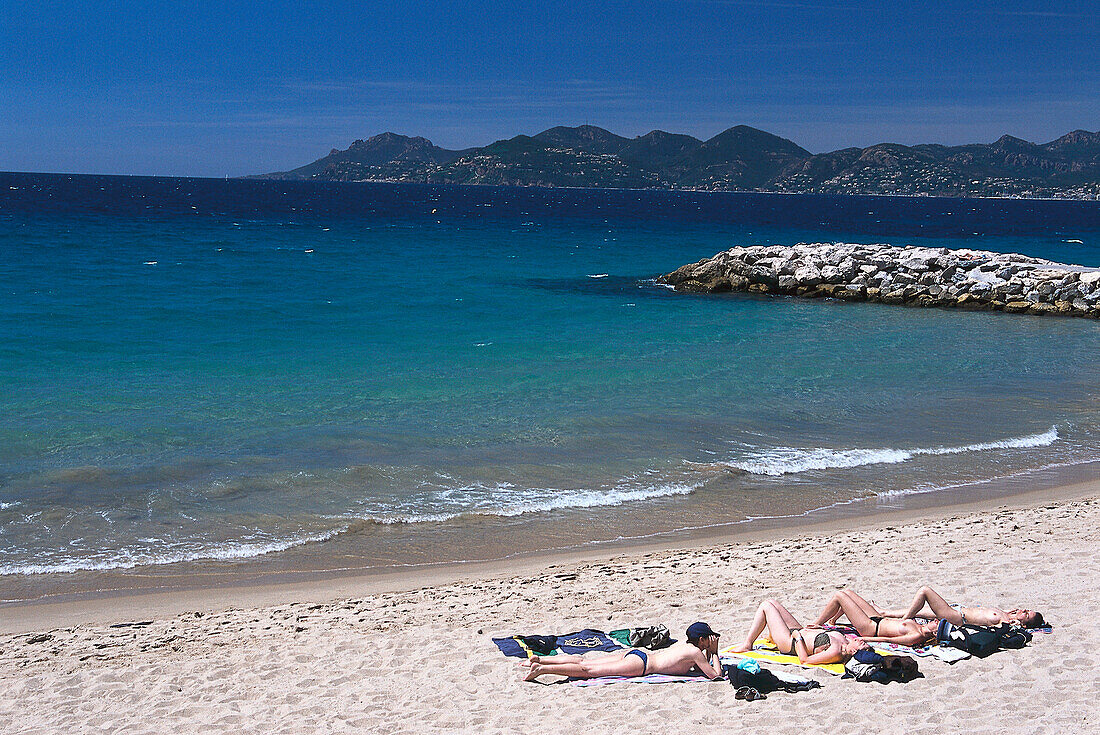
[
  {"x": 810, "y": 644},
  {"x": 958, "y": 615},
  {"x": 872, "y": 626},
  {"x": 698, "y": 655}
]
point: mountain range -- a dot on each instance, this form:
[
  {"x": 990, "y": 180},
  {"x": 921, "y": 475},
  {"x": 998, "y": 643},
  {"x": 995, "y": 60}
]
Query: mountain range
[{"x": 738, "y": 159}]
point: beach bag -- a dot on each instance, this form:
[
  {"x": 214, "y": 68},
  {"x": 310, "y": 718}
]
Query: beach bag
[
  {"x": 653, "y": 637},
  {"x": 973, "y": 639},
  {"x": 1013, "y": 636},
  {"x": 900, "y": 668},
  {"x": 764, "y": 681},
  {"x": 864, "y": 666},
  {"x": 868, "y": 665}
]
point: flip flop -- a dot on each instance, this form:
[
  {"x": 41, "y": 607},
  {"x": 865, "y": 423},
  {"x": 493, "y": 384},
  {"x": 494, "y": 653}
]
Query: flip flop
[{"x": 749, "y": 694}]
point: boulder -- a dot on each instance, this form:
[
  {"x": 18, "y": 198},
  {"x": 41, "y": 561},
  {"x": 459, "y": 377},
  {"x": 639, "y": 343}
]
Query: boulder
[{"x": 915, "y": 276}]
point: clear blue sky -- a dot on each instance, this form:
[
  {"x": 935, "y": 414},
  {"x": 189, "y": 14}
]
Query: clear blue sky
[{"x": 186, "y": 88}]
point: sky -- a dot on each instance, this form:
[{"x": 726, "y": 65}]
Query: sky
[{"x": 186, "y": 88}]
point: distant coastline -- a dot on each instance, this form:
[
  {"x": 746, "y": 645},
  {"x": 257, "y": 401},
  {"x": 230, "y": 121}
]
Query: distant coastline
[
  {"x": 740, "y": 159},
  {"x": 766, "y": 192}
]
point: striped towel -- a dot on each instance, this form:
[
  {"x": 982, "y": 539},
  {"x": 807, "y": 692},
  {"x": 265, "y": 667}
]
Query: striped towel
[{"x": 647, "y": 679}]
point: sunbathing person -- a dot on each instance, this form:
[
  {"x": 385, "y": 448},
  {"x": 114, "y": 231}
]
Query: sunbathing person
[
  {"x": 699, "y": 654},
  {"x": 872, "y": 626},
  {"x": 957, "y": 615},
  {"x": 790, "y": 637}
]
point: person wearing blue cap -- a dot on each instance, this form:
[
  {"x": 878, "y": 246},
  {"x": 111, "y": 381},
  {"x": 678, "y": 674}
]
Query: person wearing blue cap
[{"x": 698, "y": 655}]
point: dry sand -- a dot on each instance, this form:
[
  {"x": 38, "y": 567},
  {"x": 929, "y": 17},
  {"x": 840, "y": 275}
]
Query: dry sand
[{"x": 421, "y": 660}]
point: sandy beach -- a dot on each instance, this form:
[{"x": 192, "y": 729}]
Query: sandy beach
[{"x": 418, "y": 658}]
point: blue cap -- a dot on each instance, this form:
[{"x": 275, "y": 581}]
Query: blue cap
[{"x": 696, "y": 631}]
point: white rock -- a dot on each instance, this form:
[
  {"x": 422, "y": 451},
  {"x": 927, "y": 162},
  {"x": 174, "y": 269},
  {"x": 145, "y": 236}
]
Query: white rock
[
  {"x": 808, "y": 275},
  {"x": 1090, "y": 277}
]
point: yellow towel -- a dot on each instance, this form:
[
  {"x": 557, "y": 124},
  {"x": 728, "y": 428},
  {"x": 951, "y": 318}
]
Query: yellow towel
[{"x": 765, "y": 651}]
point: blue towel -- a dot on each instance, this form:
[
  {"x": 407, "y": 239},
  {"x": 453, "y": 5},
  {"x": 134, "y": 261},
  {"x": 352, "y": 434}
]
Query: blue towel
[{"x": 583, "y": 641}]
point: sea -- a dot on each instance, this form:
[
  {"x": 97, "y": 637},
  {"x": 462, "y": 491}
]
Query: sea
[{"x": 202, "y": 379}]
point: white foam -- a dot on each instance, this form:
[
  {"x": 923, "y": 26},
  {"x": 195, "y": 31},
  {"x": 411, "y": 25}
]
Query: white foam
[
  {"x": 535, "y": 500},
  {"x": 792, "y": 460},
  {"x": 5, "y": 506},
  {"x": 925, "y": 489},
  {"x": 130, "y": 558}
]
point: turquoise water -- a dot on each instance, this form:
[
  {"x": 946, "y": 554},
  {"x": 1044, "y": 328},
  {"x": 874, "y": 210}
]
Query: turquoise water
[{"x": 409, "y": 374}]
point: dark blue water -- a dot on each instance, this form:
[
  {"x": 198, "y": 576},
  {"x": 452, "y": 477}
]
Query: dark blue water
[{"x": 201, "y": 370}]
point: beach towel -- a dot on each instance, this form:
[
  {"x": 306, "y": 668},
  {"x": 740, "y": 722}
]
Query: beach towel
[
  {"x": 947, "y": 654},
  {"x": 522, "y": 646},
  {"x": 583, "y": 641},
  {"x": 647, "y": 679},
  {"x": 622, "y": 636},
  {"x": 792, "y": 680},
  {"x": 587, "y": 640},
  {"x": 765, "y": 651}
]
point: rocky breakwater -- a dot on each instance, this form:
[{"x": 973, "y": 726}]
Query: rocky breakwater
[{"x": 913, "y": 276}]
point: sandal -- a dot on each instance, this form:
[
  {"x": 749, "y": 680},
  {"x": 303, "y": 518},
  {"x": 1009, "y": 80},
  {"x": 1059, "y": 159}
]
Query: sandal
[{"x": 749, "y": 694}]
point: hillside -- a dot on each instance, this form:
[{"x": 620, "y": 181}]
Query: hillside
[{"x": 738, "y": 159}]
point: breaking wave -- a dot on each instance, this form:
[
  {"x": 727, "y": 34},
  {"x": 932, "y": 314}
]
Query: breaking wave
[
  {"x": 791, "y": 460},
  {"x": 481, "y": 500},
  {"x": 130, "y": 558}
]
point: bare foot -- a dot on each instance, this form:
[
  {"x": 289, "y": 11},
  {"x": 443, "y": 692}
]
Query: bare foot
[
  {"x": 740, "y": 648},
  {"x": 533, "y": 674}
]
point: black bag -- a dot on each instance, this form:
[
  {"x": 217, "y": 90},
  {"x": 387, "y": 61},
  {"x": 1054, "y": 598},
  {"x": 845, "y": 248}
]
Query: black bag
[
  {"x": 653, "y": 637},
  {"x": 901, "y": 668},
  {"x": 764, "y": 681},
  {"x": 980, "y": 641},
  {"x": 865, "y": 665},
  {"x": 868, "y": 665},
  {"x": 1013, "y": 636}
]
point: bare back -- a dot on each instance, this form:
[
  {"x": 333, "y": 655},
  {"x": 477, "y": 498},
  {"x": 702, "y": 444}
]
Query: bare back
[{"x": 676, "y": 660}]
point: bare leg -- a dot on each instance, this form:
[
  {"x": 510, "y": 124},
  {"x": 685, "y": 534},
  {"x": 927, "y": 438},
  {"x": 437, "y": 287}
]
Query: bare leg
[
  {"x": 614, "y": 665},
  {"x": 845, "y": 603},
  {"x": 831, "y": 612},
  {"x": 865, "y": 606},
  {"x": 785, "y": 615},
  {"x": 834, "y": 611},
  {"x": 940, "y": 607},
  {"x": 777, "y": 620},
  {"x": 561, "y": 658}
]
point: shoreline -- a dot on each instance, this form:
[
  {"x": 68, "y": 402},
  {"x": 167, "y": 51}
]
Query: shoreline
[
  {"x": 372, "y": 660},
  {"x": 267, "y": 588}
]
